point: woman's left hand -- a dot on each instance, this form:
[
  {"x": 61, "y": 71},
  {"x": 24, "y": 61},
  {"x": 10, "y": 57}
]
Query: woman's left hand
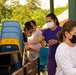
[{"x": 52, "y": 42}]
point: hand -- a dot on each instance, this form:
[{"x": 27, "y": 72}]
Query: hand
[
  {"x": 27, "y": 45},
  {"x": 52, "y": 42},
  {"x": 38, "y": 51}
]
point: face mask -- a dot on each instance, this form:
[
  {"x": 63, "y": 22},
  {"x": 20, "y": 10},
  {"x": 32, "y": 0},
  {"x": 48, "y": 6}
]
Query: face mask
[
  {"x": 28, "y": 35},
  {"x": 50, "y": 24},
  {"x": 73, "y": 40}
]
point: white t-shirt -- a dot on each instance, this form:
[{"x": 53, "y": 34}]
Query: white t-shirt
[
  {"x": 35, "y": 35},
  {"x": 66, "y": 59},
  {"x": 37, "y": 46}
]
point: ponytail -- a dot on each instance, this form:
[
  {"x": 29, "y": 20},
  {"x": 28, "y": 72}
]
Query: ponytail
[
  {"x": 67, "y": 26},
  {"x": 60, "y": 35}
]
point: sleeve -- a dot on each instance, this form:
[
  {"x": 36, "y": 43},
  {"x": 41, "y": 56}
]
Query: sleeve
[
  {"x": 39, "y": 32},
  {"x": 44, "y": 33},
  {"x": 64, "y": 61}
]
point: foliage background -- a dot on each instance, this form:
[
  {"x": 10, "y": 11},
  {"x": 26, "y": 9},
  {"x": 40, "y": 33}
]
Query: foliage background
[{"x": 30, "y": 11}]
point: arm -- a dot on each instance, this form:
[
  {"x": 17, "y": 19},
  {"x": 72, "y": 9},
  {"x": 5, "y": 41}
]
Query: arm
[
  {"x": 52, "y": 42},
  {"x": 33, "y": 50},
  {"x": 38, "y": 40},
  {"x": 42, "y": 43}
]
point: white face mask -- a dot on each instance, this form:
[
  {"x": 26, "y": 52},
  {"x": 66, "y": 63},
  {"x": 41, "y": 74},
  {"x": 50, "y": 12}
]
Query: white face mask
[
  {"x": 28, "y": 35},
  {"x": 50, "y": 24}
]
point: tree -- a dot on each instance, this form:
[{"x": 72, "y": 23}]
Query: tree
[
  {"x": 2, "y": 2},
  {"x": 33, "y": 4},
  {"x": 6, "y": 9},
  {"x": 21, "y": 13},
  {"x": 11, "y": 3}
]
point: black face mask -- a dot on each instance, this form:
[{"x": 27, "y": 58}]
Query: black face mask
[{"x": 73, "y": 40}]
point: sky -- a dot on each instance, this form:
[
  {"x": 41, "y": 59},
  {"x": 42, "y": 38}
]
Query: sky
[{"x": 46, "y": 5}]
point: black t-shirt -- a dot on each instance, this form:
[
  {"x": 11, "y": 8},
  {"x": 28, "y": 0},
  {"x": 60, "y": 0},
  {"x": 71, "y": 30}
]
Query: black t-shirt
[{"x": 24, "y": 37}]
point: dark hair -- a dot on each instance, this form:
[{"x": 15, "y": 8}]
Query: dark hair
[
  {"x": 28, "y": 26},
  {"x": 53, "y": 16},
  {"x": 68, "y": 26},
  {"x": 32, "y": 21},
  {"x": 27, "y": 23}
]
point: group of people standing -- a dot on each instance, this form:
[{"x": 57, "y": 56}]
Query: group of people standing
[
  {"x": 30, "y": 33},
  {"x": 62, "y": 44}
]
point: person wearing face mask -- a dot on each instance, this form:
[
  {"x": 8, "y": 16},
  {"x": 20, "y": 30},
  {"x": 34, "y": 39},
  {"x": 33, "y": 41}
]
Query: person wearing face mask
[
  {"x": 35, "y": 34},
  {"x": 66, "y": 52},
  {"x": 50, "y": 35},
  {"x": 28, "y": 29}
]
